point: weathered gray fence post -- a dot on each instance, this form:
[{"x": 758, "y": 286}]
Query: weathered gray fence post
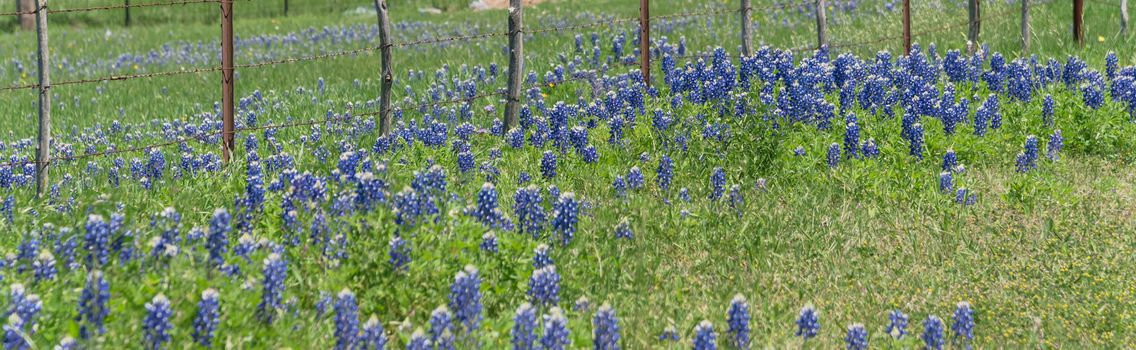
[
  {"x": 1124, "y": 18},
  {"x": 1078, "y": 22},
  {"x": 747, "y": 34},
  {"x": 645, "y": 40},
  {"x": 227, "y": 128},
  {"x": 906, "y": 27},
  {"x": 43, "y": 152},
  {"x": 1025, "y": 28},
  {"x": 387, "y": 72},
  {"x": 516, "y": 64},
  {"x": 27, "y": 18},
  {"x": 974, "y": 12},
  {"x": 822, "y": 25}
]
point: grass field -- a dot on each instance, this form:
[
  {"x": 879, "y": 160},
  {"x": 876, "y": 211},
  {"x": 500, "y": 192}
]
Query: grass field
[{"x": 1043, "y": 256}]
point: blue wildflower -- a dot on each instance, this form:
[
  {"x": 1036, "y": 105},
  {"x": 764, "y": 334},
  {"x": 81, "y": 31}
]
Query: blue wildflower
[
  {"x": 946, "y": 182},
  {"x": 857, "y": 338},
  {"x": 669, "y": 334},
  {"x": 544, "y": 286},
  {"x": 664, "y": 173},
  {"x": 704, "y": 336},
  {"x": 418, "y": 341},
  {"x": 635, "y": 178},
  {"x": 833, "y": 155},
  {"x": 556, "y": 331},
  {"x": 605, "y": 332},
  {"x": 157, "y": 325},
  {"x": 524, "y": 328},
  {"x": 1053, "y": 147},
  {"x": 963, "y": 326},
  {"x": 217, "y": 242},
  {"x": 916, "y": 145},
  {"x": 399, "y": 254},
  {"x": 738, "y": 319},
  {"x": 93, "y": 305},
  {"x": 208, "y": 317},
  {"x": 372, "y": 337},
  {"x": 851, "y": 140},
  {"x": 717, "y": 184},
  {"x": 1027, "y": 160},
  {"x": 489, "y": 242},
  {"x": 548, "y": 165},
  {"x": 346, "y": 320},
  {"x": 541, "y": 257},
  {"x": 441, "y": 329},
  {"x": 465, "y": 298},
  {"x": 565, "y": 216},
  {"x": 623, "y": 229},
  {"x": 897, "y": 323},
  {"x": 808, "y": 323},
  {"x": 272, "y": 297},
  {"x": 933, "y": 333}
]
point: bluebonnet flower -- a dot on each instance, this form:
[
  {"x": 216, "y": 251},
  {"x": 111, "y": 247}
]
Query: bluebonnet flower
[
  {"x": 1053, "y": 148},
  {"x": 986, "y": 114},
  {"x": 933, "y": 333},
  {"x": 556, "y": 331},
  {"x": 946, "y": 182},
  {"x": 524, "y": 328},
  {"x": 1027, "y": 160},
  {"x": 465, "y": 162},
  {"x": 9, "y": 209},
  {"x": 582, "y": 304},
  {"x": 735, "y": 199},
  {"x": 528, "y": 207},
  {"x": 738, "y": 319},
  {"x": 44, "y": 266},
  {"x": 1110, "y": 65},
  {"x": 346, "y": 321},
  {"x": 605, "y": 331},
  {"x": 516, "y": 138},
  {"x": 418, "y": 341},
  {"x": 157, "y": 325},
  {"x": 217, "y": 242},
  {"x": 14, "y": 334},
  {"x": 717, "y": 184},
  {"x": 97, "y": 241},
  {"x": 541, "y": 257},
  {"x": 704, "y": 336},
  {"x": 833, "y": 155},
  {"x": 67, "y": 343},
  {"x": 664, "y": 173},
  {"x": 487, "y": 212},
  {"x": 489, "y": 242},
  {"x": 669, "y": 334},
  {"x": 950, "y": 160},
  {"x": 544, "y": 286},
  {"x": 916, "y": 146},
  {"x": 245, "y": 246},
  {"x": 590, "y": 155},
  {"x": 565, "y": 216},
  {"x": 275, "y": 272},
  {"x": 93, "y": 307},
  {"x": 623, "y": 229},
  {"x": 1047, "y": 110},
  {"x": 808, "y": 323},
  {"x": 857, "y": 338},
  {"x": 684, "y": 194},
  {"x": 963, "y": 326},
  {"x": 1093, "y": 96},
  {"x": 208, "y": 317},
  {"x": 372, "y": 337},
  {"x": 851, "y": 140},
  {"x": 441, "y": 329},
  {"x": 548, "y": 165},
  {"x": 799, "y": 151},
  {"x": 635, "y": 178},
  {"x": 523, "y": 178},
  {"x": 620, "y": 186},
  {"x": 615, "y": 130},
  {"x": 897, "y": 324},
  {"x": 869, "y": 149},
  {"x": 399, "y": 254},
  {"x": 465, "y": 298}
]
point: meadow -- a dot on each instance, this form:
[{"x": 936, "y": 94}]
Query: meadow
[{"x": 796, "y": 198}]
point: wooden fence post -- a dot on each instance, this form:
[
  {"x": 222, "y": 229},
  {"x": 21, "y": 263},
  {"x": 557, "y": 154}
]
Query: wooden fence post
[
  {"x": 1124, "y": 18},
  {"x": 516, "y": 64},
  {"x": 285, "y": 8},
  {"x": 974, "y": 12},
  {"x": 645, "y": 40},
  {"x": 27, "y": 19},
  {"x": 227, "y": 128},
  {"x": 43, "y": 152},
  {"x": 1078, "y": 22},
  {"x": 1025, "y": 27},
  {"x": 822, "y": 25},
  {"x": 906, "y": 27},
  {"x": 387, "y": 72},
  {"x": 126, "y": 12},
  {"x": 747, "y": 34}
]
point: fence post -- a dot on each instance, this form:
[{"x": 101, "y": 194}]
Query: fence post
[
  {"x": 645, "y": 40},
  {"x": 516, "y": 63},
  {"x": 974, "y": 12},
  {"x": 1078, "y": 22},
  {"x": 27, "y": 19},
  {"x": 43, "y": 153},
  {"x": 126, "y": 12},
  {"x": 747, "y": 34},
  {"x": 285, "y": 8},
  {"x": 1025, "y": 27},
  {"x": 387, "y": 72},
  {"x": 227, "y": 128},
  {"x": 1124, "y": 18},
  {"x": 906, "y": 27},
  {"x": 822, "y": 25}
]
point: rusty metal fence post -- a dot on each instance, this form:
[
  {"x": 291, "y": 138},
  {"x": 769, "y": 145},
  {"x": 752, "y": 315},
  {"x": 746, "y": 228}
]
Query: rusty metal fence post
[
  {"x": 516, "y": 64},
  {"x": 906, "y": 27},
  {"x": 227, "y": 128},
  {"x": 1078, "y": 22},
  {"x": 387, "y": 73},
  {"x": 747, "y": 27},
  {"x": 822, "y": 24},
  {"x": 645, "y": 40},
  {"x": 43, "y": 152}
]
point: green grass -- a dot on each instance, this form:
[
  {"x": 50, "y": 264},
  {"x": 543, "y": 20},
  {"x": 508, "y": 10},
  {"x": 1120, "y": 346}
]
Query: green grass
[{"x": 1044, "y": 257}]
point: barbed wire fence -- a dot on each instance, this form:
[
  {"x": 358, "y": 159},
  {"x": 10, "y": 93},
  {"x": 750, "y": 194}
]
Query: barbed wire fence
[{"x": 511, "y": 93}]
